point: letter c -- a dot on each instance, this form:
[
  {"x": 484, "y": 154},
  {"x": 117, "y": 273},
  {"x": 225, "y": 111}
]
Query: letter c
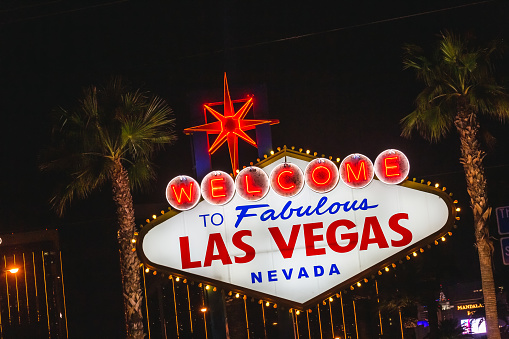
[{"x": 288, "y": 172}]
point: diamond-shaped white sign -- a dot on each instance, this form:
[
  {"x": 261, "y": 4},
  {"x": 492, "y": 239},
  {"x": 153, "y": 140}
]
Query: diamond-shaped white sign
[{"x": 297, "y": 250}]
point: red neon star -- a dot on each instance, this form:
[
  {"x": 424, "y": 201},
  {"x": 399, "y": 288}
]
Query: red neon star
[{"x": 230, "y": 126}]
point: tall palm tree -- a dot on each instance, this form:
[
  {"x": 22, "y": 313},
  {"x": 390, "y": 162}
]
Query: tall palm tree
[
  {"x": 459, "y": 85},
  {"x": 110, "y": 138}
]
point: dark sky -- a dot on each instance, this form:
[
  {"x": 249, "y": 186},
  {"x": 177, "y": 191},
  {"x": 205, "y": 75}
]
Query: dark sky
[{"x": 334, "y": 78}]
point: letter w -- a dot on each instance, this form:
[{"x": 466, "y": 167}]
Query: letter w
[
  {"x": 183, "y": 191},
  {"x": 285, "y": 248}
]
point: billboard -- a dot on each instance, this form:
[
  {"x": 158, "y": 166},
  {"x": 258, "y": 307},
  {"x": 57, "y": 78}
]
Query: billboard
[
  {"x": 473, "y": 326},
  {"x": 295, "y": 229}
]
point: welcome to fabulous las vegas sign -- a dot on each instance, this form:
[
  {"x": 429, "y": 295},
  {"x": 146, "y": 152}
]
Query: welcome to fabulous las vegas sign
[{"x": 295, "y": 229}]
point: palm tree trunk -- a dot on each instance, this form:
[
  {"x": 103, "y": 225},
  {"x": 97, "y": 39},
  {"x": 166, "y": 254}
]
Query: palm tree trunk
[
  {"x": 471, "y": 158},
  {"x": 129, "y": 262}
]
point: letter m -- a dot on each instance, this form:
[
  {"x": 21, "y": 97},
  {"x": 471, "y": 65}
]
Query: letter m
[{"x": 361, "y": 169}]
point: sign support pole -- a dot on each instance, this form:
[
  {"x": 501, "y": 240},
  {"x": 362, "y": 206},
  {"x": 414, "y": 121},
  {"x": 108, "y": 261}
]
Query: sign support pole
[
  {"x": 285, "y": 324},
  {"x": 217, "y": 315}
]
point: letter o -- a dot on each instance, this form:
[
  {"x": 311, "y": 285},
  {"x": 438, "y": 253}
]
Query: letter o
[
  {"x": 321, "y": 175},
  {"x": 212, "y": 219}
]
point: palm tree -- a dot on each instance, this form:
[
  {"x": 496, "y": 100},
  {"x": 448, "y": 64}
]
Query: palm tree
[
  {"x": 111, "y": 137},
  {"x": 459, "y": 85}
]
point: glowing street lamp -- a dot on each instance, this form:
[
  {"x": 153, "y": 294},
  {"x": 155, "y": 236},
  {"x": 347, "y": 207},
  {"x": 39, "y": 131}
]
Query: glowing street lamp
[{"x": 13, "y": 270}]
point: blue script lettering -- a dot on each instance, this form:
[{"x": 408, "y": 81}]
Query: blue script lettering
[{"x": 287, "y": 211}]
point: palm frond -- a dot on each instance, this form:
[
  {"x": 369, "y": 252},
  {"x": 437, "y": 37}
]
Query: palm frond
[
  {"x": 431, "y": 124},
  {"x": 141, "y": 173},
  {"x": 80, "y": 174},
  {"x": 148, "y": 127},
  {"x": 451, "y": 47},
  {"x": 111, "y": 124},
  {"x": 457, "y": 69}
]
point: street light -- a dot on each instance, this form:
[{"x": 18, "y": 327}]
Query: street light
[{"x": 13, "y": 270}]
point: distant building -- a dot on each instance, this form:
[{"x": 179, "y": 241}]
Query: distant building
[
  {"x": 32, "y": 299},
  {"x": 465, "y": 303}
]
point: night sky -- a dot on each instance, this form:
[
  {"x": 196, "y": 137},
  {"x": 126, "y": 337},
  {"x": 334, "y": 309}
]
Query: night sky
[{"x": 334, "y": 79}]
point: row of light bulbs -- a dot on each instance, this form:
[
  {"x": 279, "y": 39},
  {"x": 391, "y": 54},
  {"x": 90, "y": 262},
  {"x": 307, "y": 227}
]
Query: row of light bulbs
[{"x": 330, "y": 299}]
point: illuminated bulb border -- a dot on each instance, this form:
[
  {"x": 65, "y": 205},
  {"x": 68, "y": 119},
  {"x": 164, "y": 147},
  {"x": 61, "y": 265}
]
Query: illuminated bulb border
[{"x": 359, "y": 284}]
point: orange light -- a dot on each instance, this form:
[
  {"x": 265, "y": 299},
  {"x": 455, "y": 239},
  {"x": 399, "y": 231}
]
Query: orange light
[
  {"x": 13, "y": 270},
  {"x": 217, "y": 190},
  {"x": 329, "y": 175},
  {"x": 389, "y": 167},
  {"x": 267, "y": 304},
  {"x": 289, "y": 173},
  {"x": 183, "y": 191},
  {"x": 387, "y": 269},
  {"x": 203, "y": 309},
  {"x": 237, "y": 295}
]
